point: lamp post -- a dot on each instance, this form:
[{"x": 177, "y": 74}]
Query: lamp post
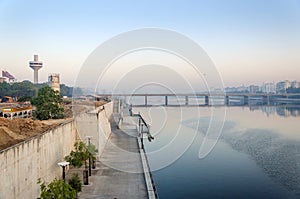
[
  {"x": 90, "y": 168},
  {"x": 139, "y": 123},
  {"x": 63, "y": 165},
  {"x": 142, "y": 136}
]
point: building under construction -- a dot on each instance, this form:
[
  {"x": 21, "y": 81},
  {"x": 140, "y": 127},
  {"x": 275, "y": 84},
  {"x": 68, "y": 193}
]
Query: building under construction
[
  {"x": 12, "y": 111},
  {"x": 54, "y": 82}
]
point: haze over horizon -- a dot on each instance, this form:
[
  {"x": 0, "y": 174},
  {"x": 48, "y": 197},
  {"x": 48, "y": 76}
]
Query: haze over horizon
[{"x": 250, "y": 42}]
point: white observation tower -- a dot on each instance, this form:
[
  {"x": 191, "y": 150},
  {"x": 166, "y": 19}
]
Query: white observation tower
[{"x": 36, "y": 65}]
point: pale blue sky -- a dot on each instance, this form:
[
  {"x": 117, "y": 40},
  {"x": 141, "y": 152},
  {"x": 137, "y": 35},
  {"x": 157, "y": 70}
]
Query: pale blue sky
[{"x": 249, "y": 41}]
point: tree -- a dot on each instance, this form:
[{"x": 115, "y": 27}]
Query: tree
[
  {"x": 66, "y": 90},
  {"x": 48, "y": 104},
  {"x": 79, "y": 156},
  {"x": 27, "y": 88},
  {"x": 24, "y": 99},
  {"x": 91, "y": 150},
  {"x": 57, "y": 189},
  {"x": 24, "y": 88}
]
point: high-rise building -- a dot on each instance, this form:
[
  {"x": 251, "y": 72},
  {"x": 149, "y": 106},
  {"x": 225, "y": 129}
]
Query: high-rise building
[
  {"x": 253, "y": 89},
  {"x": 282, "y": 86},
  {"x": 54, "y": 82},
  {"x": 36, "y": 65},
  {"x": 268, "y": 87},
  {"x": 294, "y": 84}
]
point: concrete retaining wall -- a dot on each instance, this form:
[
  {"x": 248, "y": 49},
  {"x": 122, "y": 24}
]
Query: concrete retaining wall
[
  {"x": 22, "y": 164},
  {"x": 95, "y": 124}
]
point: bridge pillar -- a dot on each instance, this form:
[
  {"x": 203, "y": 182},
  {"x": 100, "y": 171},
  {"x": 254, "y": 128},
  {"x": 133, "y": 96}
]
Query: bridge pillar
[
  {"x": 146, "y": 102},
  {"x": 186, "y": 100},
  {"x": 226, "y": 100},
  {"x": 166, "y": 100},
  {"x": 266, "y": 99},
  {"x": 206, "y": 100},
  {"x": 246, "y": 99}
]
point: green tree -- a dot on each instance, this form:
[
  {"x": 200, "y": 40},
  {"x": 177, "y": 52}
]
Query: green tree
[
  {"x": 25, "y": 88},
  {"x": 48, "y": 104},
  {"x": 24, "y": 99},
  {"x": 4, "y": 89},
  {"x": 81, "y": 154},
  {"x": 78, "y": 156},
  {"x": 57, "y": 189},
  {"x": 75, "y": 182},
  {"x": 91, "y": 150}
]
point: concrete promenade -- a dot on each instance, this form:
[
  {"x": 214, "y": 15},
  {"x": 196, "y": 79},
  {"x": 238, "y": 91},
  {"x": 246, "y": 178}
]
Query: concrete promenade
[{"x": 119, "y": 172}]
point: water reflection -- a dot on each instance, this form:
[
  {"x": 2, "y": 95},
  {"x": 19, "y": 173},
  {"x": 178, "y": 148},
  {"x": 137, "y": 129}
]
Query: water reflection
[{"x": 283, "y": 110}]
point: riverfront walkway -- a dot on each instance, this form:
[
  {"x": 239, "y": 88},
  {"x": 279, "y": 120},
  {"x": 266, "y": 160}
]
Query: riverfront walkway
[{"x": 119, "y": 173}]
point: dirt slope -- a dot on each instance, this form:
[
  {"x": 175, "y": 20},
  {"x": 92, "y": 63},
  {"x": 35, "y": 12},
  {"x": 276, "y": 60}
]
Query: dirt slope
[{"x": 17, "y": 130}]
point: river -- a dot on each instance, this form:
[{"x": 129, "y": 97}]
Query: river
[{"x": 256, "y": 156}]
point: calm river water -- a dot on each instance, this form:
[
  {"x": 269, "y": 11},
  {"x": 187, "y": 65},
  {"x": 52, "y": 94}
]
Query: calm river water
[{"x": 257, "y": 155}]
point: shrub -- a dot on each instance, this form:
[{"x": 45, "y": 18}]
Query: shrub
[
  {"x": 57, "y": 189},
  {"x": 75, "y": 182}
]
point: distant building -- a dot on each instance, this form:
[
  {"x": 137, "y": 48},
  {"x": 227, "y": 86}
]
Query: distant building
[
  {"x": 294, "y": 84},
  {"x": 7, "y": 77},
  {"x": 282, "y": 86},
  {"x": 54, "y": 82},
  {"x": 229, "y": 89},
  {"x": 268, "y": 87},
  {"x": 3, "y": 79},
  {"x": 253, "y": 89},
  {"x": 240, "y": 89},
  {"x": 16, "y": 111}
]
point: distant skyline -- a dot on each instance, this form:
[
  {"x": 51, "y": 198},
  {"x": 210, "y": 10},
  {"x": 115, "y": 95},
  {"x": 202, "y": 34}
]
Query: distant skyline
[{"x": 250, "y": 42}]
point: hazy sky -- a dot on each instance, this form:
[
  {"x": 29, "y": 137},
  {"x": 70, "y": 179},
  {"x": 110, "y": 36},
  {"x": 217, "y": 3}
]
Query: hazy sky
[{"x": 250, "y": 41}]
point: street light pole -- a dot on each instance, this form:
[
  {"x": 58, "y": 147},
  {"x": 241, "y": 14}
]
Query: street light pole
[
  {"x": 90, "y": 166},
  {"x": 142, "y": 136},
  {"x": 63, "y": 165}
]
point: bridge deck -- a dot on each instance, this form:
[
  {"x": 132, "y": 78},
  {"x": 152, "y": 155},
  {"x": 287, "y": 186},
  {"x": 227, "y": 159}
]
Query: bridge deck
[{"x": 197, "y": 94}]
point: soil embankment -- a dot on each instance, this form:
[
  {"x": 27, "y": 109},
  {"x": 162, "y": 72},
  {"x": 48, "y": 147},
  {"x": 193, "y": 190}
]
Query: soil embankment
[{"x": 20, "y": 129}]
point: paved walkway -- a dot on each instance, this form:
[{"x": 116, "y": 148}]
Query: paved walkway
[{"x": 119, "y": 173}]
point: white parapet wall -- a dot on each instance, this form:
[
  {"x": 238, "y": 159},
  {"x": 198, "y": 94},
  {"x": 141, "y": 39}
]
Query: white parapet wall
[{"x": 23, "y": 164}]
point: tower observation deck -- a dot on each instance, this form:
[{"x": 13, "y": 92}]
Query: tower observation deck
[{"x": 36, "y": 65}]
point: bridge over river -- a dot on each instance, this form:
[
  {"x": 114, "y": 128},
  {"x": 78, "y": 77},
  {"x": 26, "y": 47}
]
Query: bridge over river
[{"x": 209, "y": 98}]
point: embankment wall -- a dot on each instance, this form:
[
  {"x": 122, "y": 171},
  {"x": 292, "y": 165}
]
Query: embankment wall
[
  {"x": 24, "y": 163},
  {"x": 21, "y": 165},
  {"x": 96, "y": 125}
]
